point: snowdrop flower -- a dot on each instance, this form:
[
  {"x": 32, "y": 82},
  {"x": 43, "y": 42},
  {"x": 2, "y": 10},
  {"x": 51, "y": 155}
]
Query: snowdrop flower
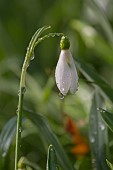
[{"x": 65, "y": 73}]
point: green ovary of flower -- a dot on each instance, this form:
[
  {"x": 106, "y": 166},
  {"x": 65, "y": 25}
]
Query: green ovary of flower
[{"x": 64, "y": 43}]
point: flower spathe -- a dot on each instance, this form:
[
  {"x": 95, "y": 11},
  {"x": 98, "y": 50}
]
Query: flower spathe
[{"x": 65, "y": 73}]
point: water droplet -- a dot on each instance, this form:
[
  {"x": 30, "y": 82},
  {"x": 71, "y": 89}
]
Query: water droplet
[
  {"x": 53, "y": 35},
  {"x": 93, "y": 161},
  {"x": 92, "y": 139},
  {"x": 18, "y": 92},
  {"x": 58, "y": 34},
  {"x": 33, "y": 56},
  {"x": 27, "y": 65},
  {"x": 101, "y": 126},
  {"x": 28, "y": 49},
  {"x": 61, "y": 96},
  {"x": 23, "y": 90},
  {"x": 100, "y": 110},
  {"x": 17, "y": 111},
  {"x": 62, "y": 89},
  {"x": 4, "y": 154},
  {"x": 20, "y": 130}
]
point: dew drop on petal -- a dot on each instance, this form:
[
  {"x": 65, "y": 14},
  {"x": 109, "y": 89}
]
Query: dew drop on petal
[{"x": 63, "y": 89}]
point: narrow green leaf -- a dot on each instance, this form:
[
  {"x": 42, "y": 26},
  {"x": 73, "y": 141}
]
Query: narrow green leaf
[
  {"x": 109, "y": 164},
  {"x": 50, "y": 138},
  {"x": 98, "y": 135},
  {"x": 51, "y": 159},
  {"x": 7, "y": 135},
  {"x": 108, "y": 118},
  {"x": 91, "y": 75},
  {"x": 6, "y": 138},
  {"x": 36, "y": 36}
]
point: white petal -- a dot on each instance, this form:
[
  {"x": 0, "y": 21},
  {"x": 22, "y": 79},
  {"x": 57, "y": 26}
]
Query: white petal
[
  {"x": 62, "y": 73},
  {"x": 74, "y": 76}
]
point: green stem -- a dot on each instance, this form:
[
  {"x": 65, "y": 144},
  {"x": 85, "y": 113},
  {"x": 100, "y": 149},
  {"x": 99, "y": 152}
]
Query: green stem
[
  {"x": 19, "y": 110},
  {"x": 33, "y": 43},
  {"x": 19, "y": 128},
  {"x": 20, "y": 101}
]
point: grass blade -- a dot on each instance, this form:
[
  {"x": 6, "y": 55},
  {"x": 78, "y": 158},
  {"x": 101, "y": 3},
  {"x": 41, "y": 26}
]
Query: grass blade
[
  {"x": 7, "y": 135},
  {"x": 6, "y": 138},
  {"x": 109, "y": 164},
  {"x": 50, "y": 138},
  {"x": 108, "y": 118},
  {"x": 98, "y": 136},
  {"x": 51, "y": 159}
]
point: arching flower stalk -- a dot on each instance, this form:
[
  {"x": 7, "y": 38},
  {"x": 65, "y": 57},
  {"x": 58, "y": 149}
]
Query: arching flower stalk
[{"x": 65, "y": 73}]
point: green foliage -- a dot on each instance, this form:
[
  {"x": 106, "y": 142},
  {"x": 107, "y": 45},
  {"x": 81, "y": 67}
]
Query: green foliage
[
  {"x": 51, "y": 159},
  {"x": 49, "y": 137},
  {"x": 89, "y": 26},
  {"x": 109, "y": 164},
  {"x": 108, "y": 117},
  {"x": 98, "y": 135}
]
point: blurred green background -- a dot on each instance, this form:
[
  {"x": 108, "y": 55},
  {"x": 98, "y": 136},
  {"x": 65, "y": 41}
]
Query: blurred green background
[{"x": 89, "y": 26}]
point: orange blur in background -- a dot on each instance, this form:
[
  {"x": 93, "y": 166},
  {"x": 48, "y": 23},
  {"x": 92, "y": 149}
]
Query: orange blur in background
[{"x": 81, "y": 147}]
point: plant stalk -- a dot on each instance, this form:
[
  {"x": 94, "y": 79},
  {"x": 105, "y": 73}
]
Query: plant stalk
[
  {"x": 19, "y": 110},
  {"x": 30, "y": 50},
  {"x": 22, "y": 90}
]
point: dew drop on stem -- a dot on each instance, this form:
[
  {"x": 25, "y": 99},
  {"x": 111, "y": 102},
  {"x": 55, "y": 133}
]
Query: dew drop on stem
[
  {"x": 58, "y": 34},
  {"x": 53, "y": 35},
  {"x": 61, "y": 96},
  {"x": 33, "y": 56},
  {"x": 17, "y": 110},
  {"x": 18, "y": 92},
  {"x": 20, "y": 130},
  {"x": 27, "y": 65}
]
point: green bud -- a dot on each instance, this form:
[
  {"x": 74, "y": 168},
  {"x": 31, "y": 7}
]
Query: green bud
[{"x": 64, "y": 43}]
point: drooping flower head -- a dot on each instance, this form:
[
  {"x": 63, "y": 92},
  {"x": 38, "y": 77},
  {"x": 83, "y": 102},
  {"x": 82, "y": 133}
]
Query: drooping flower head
[{"x": 65, "y": 73}]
